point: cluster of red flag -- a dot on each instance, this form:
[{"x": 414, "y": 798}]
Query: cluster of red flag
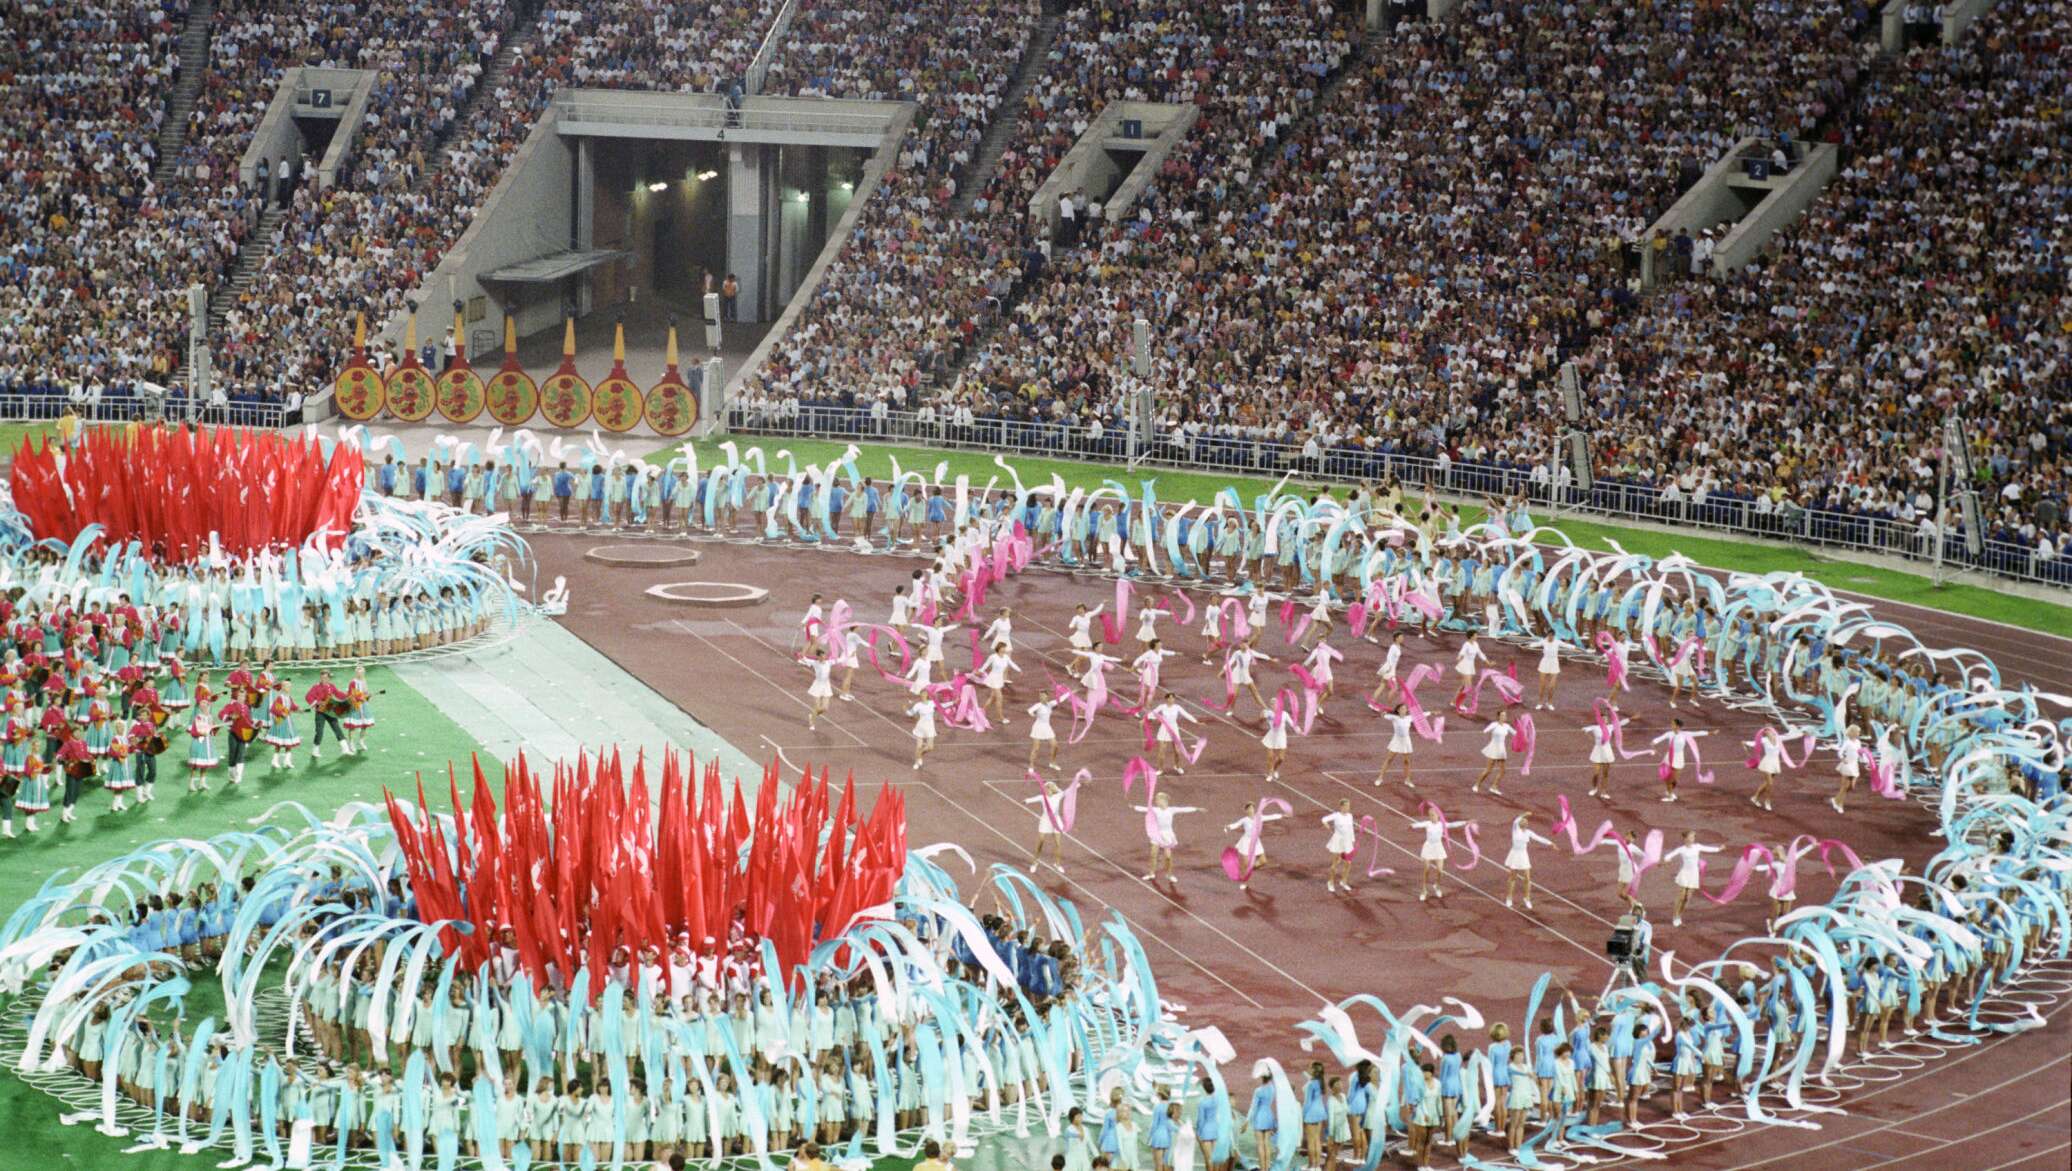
[
  {"x": 586, "y": 864},
  {"x": 171, "y": 487}
]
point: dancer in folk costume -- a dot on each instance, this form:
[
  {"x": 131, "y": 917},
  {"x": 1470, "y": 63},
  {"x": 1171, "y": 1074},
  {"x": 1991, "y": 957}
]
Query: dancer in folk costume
[
  {"x": 281, "y": 733},
  {"x": 1399, "y": 747},
  {"x": 17, "y": 756},
  {"x": 1158, "y": 828},
  {"x": 1340, "y": 845},
  {"x": 77, "y": 764},
  {"x": 359, "y": 711},
  {"x": 1251, "y": 843},
  {"x": 201, "y": 744},
  {"x": 1519, "y": 861}
]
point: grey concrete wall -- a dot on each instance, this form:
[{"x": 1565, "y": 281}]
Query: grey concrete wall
[
  {"x": 1785, "y": 202},
  {"x": 1892, "y": 28},
  {"x": 278, "y": 135},
  {"x": 1088, "y": 167},
  {"x": 1960, "y": 17},
  {"x": 526, "y": 215},
  {"x": 873, "y": 173},
  {"x": 1440, "y": 9}
]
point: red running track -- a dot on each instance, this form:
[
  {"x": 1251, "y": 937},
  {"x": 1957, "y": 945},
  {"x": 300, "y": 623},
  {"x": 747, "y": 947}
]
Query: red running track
[{"x": 1256, "y": 962}]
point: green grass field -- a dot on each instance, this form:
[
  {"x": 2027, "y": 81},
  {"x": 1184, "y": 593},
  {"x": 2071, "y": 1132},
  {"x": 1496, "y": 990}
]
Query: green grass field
[
  {"x": 876, "y": 460},
  {"x": 411, "y": 738}
]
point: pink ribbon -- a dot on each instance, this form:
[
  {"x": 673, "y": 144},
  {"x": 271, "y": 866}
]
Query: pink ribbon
[
  {"x": 1614, "y": 730},
  {"x": 1066, "y": 812},
  {"x": 1615, "y": 661},
  {"x": 1690, "y": 742},
  {"x": 1374, "y": 867},
  {"x": 1239, "y": 865},
  {"x": 1112, "y": 624},
  {"x": 1171, "y": 724},
  {"x": 1427, "y": 727},
  {"x": 1524, "y": 738},
  {"x": 1507, "y": 686}
]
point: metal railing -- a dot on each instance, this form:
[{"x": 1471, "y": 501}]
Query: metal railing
[
  {"x": 123, "y": 407},
  {"x": 1609, "y": 497}
]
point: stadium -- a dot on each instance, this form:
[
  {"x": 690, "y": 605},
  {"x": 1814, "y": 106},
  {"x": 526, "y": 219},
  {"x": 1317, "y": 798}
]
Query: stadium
[{"x": 1082, "y": 584}]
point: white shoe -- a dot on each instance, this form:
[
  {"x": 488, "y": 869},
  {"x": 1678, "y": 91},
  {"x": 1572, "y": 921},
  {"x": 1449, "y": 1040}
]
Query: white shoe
[
  {"x": 1421, "y": 895},
  {"x": 1056, "y": 765},
  {"x": 1439, "y": 894},
  {"x": 118, "y": 806},
  {"x": 1677, "y": 921},
  {"x": 917, "y": 766},
  {"x": 6, "y": 829},
  {"x": 1149, "y": 878},
  {"x": 1507, "y": 900},
  {"x": 30, "y": 824},
  {"x": 1528, "y": 904}
]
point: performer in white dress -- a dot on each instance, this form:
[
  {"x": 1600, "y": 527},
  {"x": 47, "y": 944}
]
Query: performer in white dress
[
  {"x": 1689, "y": 859},
  {"x": 1041, "y": 733},
  {"x": 992, "y": 675},
  {"x": 1678, "y": 747},
  {"x": 1602, "y": 738},
  {"x": 1340, "y": 845},
  {"x": 1496, "y": 755},
  {"x": 1432, "y": 854},
  {"x": 1079, "y": 631},
  {"x": 1158, "y": 827},
  {"x": 1848, "y": 764},
  {"x": 1251, "y": 844},
  {"x": 1470, "y": 657},
  {"x": 1550, "y": 671},
  {"x": 1165, "y": 725},
  {"x": 1237, "y": 667},
  {"x": 1519, "y": 860},
  {"x": 1001, "y": 631},
  {"x": 1051, "y": 825},
  {"x": 822, "y": 688},
  {"x": 1767, "y": 765},
  {"x": 1147, "y": 624},
  {"x": 1390, "y": 662},
  {"x": 1399, "y": 746},
  {"x": 923, "y": 711},
  {"x": 1278, "y": 720}
]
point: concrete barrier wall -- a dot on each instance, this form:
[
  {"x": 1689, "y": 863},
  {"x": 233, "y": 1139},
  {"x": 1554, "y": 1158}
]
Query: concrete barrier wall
[
  {"x": 1784, "y": 204},
  {"x": 526, "y": 215}
]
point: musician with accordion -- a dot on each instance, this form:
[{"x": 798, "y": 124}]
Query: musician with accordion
[
  {"x": 236, "y": 717},
  {"x": 328, "y": 705},
  {"x": 77, "y": 762},
  {"x": 147, "y": 740}
]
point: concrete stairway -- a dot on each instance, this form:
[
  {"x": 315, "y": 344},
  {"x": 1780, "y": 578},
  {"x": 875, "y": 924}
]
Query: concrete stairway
[{"x": 1009, "y": 116}]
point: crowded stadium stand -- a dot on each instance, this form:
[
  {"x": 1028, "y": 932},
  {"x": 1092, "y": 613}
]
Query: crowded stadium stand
[{"x": 1381, "y": 240}]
